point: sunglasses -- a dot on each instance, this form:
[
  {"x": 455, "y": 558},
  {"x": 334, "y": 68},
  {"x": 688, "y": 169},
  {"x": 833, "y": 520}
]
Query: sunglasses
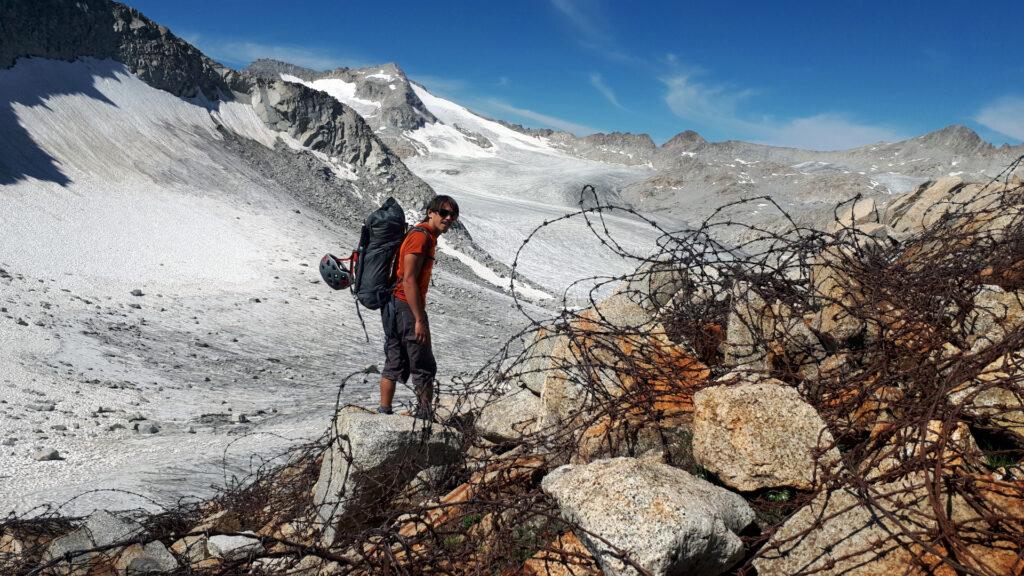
[{"x": 446, "y": 213}]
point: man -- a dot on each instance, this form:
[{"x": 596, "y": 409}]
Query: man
[{"x": 407, "y": 348}]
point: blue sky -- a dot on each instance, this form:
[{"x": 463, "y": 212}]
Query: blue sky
[{"x": 809, "y": 74}]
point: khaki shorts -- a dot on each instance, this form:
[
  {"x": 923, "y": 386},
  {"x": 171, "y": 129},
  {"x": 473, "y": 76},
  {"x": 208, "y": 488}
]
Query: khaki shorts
[{"x": 403, "y": 355}]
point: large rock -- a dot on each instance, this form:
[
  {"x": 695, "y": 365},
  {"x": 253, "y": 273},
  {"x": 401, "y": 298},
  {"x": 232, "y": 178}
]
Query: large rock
[
  {"x": 838, "y": 294},
  {"x": 667, "y": 520},
  {"x": 101, "y": 528},
  {"x": 372, "y": 455},
  {"x": 995, "y": 396},
  {"x": 759, "y": 435},
  {"x": 854, "y": 214},
  {"x": 761, "y": 336},
  {"x": 233, "y": 547},
  {"x": 995, "y": 313},
  {"x": 908, "y": 212},
  {"x": 510, "y": 416},
  {"x": 615, "y": 348},
  {"x": 151, "y": 558},
  {"x": 839, "y": 534},
  {"x": 531, "y": 368}
]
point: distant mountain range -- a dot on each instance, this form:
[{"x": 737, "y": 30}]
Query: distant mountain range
[
  {"x": 685, "y": 178},
  {"x": 366, "y": 121}
]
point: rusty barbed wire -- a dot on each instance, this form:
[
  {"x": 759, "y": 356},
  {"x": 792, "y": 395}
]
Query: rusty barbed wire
[{"x": 908, "y": 341}]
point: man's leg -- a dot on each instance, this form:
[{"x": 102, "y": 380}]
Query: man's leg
[
  {"x": 387, "y": 394},
  {"x": 396, "y": 369},
  {"x": 423, "y": 368}
]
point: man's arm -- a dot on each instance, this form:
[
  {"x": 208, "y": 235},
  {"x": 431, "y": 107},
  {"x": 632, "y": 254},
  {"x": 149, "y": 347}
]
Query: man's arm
[{"x": 411, "y": 266}]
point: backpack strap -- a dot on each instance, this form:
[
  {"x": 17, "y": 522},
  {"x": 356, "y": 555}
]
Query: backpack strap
[
  {"x": 394, "y": 264},
  {"x": 430, "y": 238}
]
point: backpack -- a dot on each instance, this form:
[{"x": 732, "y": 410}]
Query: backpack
[
  {"x": 376, "y": 259},
  {"x": 373, "y": 265}
]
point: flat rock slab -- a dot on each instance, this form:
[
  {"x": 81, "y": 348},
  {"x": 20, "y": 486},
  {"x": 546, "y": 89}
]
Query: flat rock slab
[
  {"x": 759, "y": 435},
  {"x": 668, "y": 521},
  {"x": 372, "y": 455},
  {"x": 233, "y": 547},
  {"x": 100, "y": 529},
  {"x": 151, "y": 558}
]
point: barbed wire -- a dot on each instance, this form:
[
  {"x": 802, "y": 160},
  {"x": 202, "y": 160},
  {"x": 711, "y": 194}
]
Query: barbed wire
[{"x": 904, "y": 341}]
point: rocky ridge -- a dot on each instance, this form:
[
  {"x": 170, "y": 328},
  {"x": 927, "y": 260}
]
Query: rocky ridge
[
  {"x": 390, "y": 105},
  {"x": 322, "y": 126}
]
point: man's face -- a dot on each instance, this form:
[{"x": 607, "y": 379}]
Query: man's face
[{"x": 443, "y": 219}]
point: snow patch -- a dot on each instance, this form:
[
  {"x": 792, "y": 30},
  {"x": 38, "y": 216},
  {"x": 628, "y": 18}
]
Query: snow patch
[
  {"x": 489, "y": 275},
  {"x": 444, "y": 140},
  {"x": 242, "y": 120},
  {"x": 380, "y": 74},
  {"x": 451, "y": 113},
  {"x": 340, "y": 90}
]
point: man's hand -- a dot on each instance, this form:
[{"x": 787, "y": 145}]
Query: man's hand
[{"x": 422, "y": 332}]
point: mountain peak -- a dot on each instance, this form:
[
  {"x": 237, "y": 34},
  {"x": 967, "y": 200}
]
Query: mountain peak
[
  {"x": 955, "y": 136},
  {"x": 642, "y": 141},
  {"x": 685, "y": 139}
]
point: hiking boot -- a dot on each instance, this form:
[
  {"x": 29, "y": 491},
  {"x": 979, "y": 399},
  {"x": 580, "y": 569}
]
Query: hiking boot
[{"x": 384, "y": 410}]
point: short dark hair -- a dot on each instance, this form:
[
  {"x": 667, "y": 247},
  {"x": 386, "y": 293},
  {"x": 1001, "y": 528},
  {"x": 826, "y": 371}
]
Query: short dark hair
[{"x": 437, "y": 203}]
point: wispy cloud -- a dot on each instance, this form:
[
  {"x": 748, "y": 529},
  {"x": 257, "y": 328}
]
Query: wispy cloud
[
  {"x": 828, "y": 131},
  {"x": 539, "y": 118},
  {"x": 1004, "y": 115},
  {"x": 585, "y": 20},
  {"x": 234, "y": 52},
  {"x": 589, "y": 22},
  {"x": 720, "y": 107},
  {"x": 704, "y": 103},
  {"x": 504, "y": 81},
  {"x": 598, "y": 83}
]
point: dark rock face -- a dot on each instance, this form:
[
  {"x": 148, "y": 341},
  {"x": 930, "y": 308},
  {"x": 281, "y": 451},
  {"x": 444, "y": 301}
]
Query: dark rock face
[
  {"x": 322, "y": 124},
  {"x": 400, "y": 108},
  {"x": 104, "y": 29},
  {"x": 56, "y": 29},
  {"x": 316, "y": 120},
  {"x": 620, "y": 140}
]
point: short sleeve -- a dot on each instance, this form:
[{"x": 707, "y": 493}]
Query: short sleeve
[{"x": 416, "y": 244}]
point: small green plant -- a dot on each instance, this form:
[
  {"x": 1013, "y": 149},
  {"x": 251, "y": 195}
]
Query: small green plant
[
  {"x": 452, "y": 542},
  {"x": 995, "y": 461},
  {"x": 469, "y": 520},
  {"x": 783, "y": 495}
]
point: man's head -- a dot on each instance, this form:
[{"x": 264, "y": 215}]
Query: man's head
[{"x": 442, "y": 212}]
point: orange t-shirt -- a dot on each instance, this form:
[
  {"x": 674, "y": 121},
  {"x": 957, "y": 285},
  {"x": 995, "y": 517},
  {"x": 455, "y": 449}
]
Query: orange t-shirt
[{"x": 416, "y": 243}]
